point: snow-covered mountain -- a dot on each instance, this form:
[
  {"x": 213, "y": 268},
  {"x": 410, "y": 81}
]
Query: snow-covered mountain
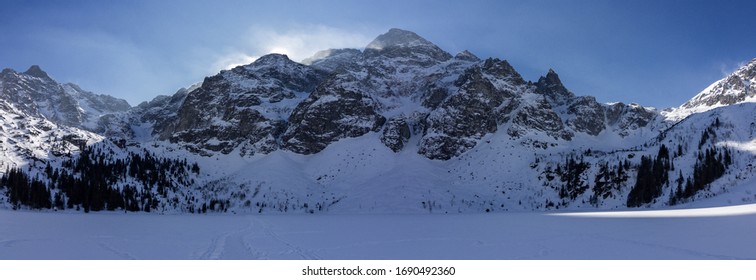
[
  {"x": 26, "y": 139},
  {"x": 738, "y": 87},
  {"x": 401, "y": 85},
  {"x": 399, "y": 126},
  {"x": 36, "y": 94}
]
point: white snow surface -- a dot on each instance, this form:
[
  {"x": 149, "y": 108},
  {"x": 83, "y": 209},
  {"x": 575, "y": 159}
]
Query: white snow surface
[{"x": 679, "y": 234}]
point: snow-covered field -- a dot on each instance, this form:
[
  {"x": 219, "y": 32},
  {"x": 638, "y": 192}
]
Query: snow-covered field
[{"x": 716, "y": 233}]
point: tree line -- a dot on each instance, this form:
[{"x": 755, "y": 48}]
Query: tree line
[{"x": 95, "y": 180}]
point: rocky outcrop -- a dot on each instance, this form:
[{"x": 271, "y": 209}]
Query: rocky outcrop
[
  {"x": 330, "y": 113},
  {"x": 551, "y": 86},
  {"x": 626, "y": 118},
  {"x": 471, "y": 112},
  {"x": 395, "y": 67},
  {"x": 588, "y": 115},
  {"x": 396, "y": 133},
  {"x": 244, "y": 108},
  {"x": 539, "y": 116}
]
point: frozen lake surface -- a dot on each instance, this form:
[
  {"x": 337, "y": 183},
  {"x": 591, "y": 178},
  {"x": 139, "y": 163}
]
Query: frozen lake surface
[{"x": 715, "y": 233}]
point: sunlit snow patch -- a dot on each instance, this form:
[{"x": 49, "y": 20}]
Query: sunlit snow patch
[
  {"x": 748, "y": 209},
  {"x": 749, "y": 146}
]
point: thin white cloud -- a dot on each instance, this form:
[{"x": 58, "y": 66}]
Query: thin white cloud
[
  {"x": 298, "y": 42},
  {"x": 728, "y": 68},
  {"x": 232, "y": 60}
]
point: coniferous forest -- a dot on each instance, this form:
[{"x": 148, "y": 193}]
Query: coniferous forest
[
  {"x": 653, "y": 173},
  {"x": 94, "y": 181}
]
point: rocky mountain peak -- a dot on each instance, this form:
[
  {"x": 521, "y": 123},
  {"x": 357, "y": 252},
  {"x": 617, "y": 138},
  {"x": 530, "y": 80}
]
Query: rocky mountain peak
[
  {"x": 36, "y": 71},
  {"x": 274, "y": 59},
  {"x": 552, "y": 77},
  {"x": 550, "y": 80},
  {"x": 502, "y": 68},
  {"x": 6, "y": 71},
  {"x": 738, "y": 87},
  {"x": 398, "y": 43},
  {"x": 552, "y": 87},
  {"x": 398, "y": 38},
  {"x": 467, "y": 56}
]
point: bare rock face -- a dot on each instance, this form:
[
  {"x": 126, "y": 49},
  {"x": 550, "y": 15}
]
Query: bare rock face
[
  {"x": 244, "y": 108},
  {"x": 394, "y": 67},
  {"x": 469, "y": 113},
  {"x": 330, "y": 113},
  {"x": 589, "y": 115},
  {"x": 539, "y": 116},
  {"x": 551, "y": 86},
  {"x": 396, "y": 133},
  {"x": 626, "y": 118}
]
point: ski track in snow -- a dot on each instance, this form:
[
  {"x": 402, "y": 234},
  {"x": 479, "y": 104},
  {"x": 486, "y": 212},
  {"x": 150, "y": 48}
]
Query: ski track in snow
[
  {"x": 231, "y": 245},
  {"x": 241, "y": 244},
  {"x": 293, "y": 249},
  {"x": 9, "y": 242},
  {"x": 120, "y": 253}
]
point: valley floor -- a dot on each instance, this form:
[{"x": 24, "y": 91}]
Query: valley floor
[{"x": 716, "y": 233}]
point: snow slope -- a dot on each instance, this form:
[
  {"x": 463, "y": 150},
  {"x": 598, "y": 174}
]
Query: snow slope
[{"x": 361, "y": 175}]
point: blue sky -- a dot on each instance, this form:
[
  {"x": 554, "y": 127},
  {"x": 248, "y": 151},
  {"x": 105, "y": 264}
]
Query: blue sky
[{"x": 655, "y": 53}]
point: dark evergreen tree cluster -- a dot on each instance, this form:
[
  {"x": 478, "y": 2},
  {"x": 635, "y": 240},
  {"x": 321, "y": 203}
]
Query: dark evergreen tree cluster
[
  {"x": 711, "y": 164},
  {"x": 705, "y": 136},
  {"x": 653, "y": 174},
  {"x": 23, "y": 190},
  {"x": 607, "y": 179},
  {"x": 91, "y": 181},
  {"x": 571, "y": 176}
]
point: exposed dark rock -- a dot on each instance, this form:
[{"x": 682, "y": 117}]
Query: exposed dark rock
[
  {"x": 469, "y": 114},
  {"x": 36, "y": 71},
  {"x": 329, "y": 114},
  {"x": 396, "y": 133},
  {"x": 551, "y": 86},
  {"x": 231, "y": 110},
  {"x": 626, "y": 118},
  {"x": 588, "y": 115},
  {"x": 540, "y": 117}
]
